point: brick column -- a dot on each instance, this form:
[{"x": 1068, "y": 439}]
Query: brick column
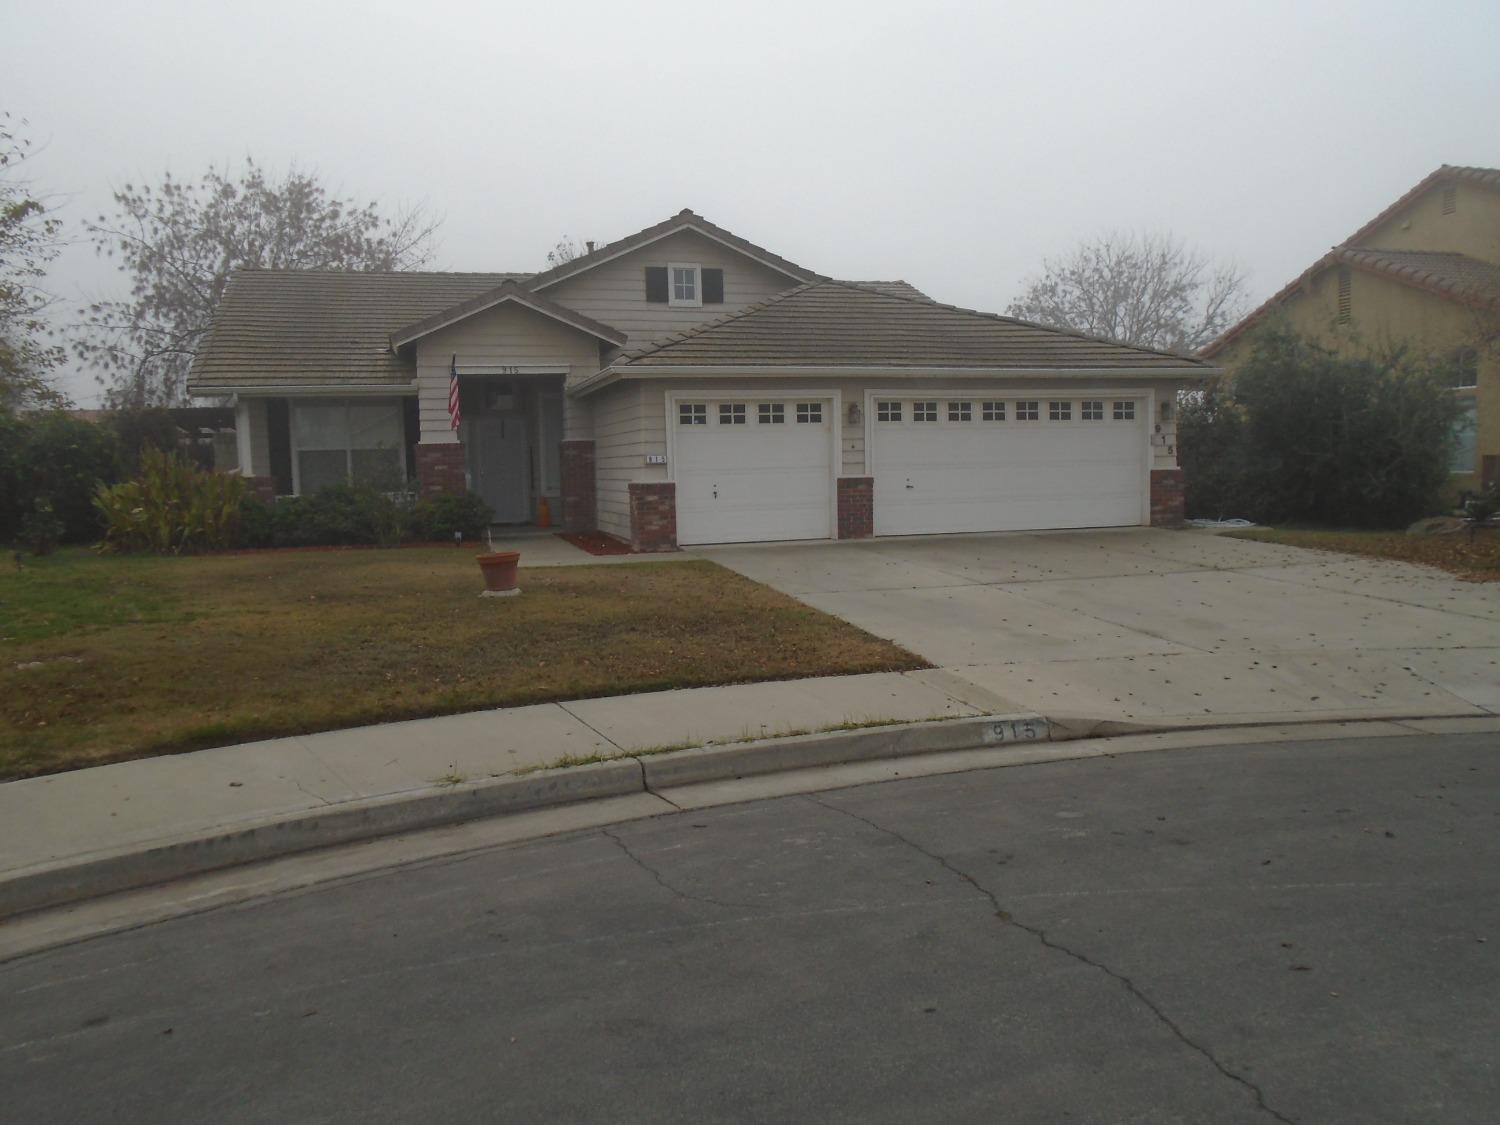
[
  {"x": 1168, "y": 500},
  {"x": 579, "y": 511},
  {"x": 653, "y": 515},
  {"x": 440, "y": 469},
  {"x": 856, "y": 497}
]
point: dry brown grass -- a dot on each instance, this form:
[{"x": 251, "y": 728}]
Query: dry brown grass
[
  {"x": 1476, "y": 559},
  {"x": 146, "y": 656}
]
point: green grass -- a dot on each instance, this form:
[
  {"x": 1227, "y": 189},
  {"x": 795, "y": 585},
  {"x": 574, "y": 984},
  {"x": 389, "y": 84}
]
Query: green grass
[
  {"x": 1476, "y": 560},
  {"x": 106, "y": 659}
]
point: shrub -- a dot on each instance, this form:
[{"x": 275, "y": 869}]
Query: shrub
[
  {"x": 338, "y": 515},
  {"x": 171, "y": 507},
  {"x": 139, "y": 429},
  {"x": 53, "y": 460},
  {"x": 438, "y": 518},
  {"x": 1308, "y": 436},
  {"x": 41, "y": 530}
]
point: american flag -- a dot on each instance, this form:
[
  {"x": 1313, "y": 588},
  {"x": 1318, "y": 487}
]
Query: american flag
[{"x": 455, "y": 414}]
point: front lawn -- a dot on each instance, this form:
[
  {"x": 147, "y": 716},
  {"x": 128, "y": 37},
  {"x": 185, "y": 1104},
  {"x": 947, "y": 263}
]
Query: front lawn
[
  {"x": 1477, "y": 560},
  {"x": 104, "y": 659}
]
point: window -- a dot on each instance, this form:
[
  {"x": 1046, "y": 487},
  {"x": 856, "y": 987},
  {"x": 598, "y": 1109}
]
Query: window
[
  {"x": 1092, "y": 410},
  {"x": 887, "y": 412},
  {"x": 1125, "y": 411},
  {"x": 924, "y": 412},
  {"x": 1059, "y": 411},
  {"x": 771, "y": 413},
  {"x": 960, "y": 412},
  {"x": 1346, "y": 296},
  {"x": 1460, "y": 368},
  {"x": 992, "y": 411},
  {"x": 1464, "y": 446},
  {"x": 692, "y": 414},
  {"x": 339, "y": 442},
  {"x": 683, "y": 287},
  {"x": 809, "y": 412},
  {"x": 1028, "y": 411},
  {"x": 731, "y": 413}
]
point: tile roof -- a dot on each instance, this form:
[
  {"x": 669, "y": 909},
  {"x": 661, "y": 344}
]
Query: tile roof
[
  {"x": 277, "y": 328},
  {"x": 894, "y": 288},
  {"x": 1484, "y": 177},
  {"x": 684, "y": 220},
  {"x": 1456, "y": 275},
  {"x": 841, "y": 324}
]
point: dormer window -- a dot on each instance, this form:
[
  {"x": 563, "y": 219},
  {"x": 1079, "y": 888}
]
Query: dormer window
[{"x": 683, "y": 287}]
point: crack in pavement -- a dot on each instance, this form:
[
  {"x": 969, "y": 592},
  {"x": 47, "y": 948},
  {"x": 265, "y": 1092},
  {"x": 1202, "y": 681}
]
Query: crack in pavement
[
  {"x": 662, "y": 882},
  {"x": 1007, "y": 919}
]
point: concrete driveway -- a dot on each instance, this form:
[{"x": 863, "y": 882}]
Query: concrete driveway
[{"x": 1176, "y": 627}]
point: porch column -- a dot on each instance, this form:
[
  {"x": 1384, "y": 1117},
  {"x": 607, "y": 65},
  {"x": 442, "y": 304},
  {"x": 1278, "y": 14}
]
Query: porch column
[
  {"x": 579, "y": 508},
  {"x": 440, "y": 468}
]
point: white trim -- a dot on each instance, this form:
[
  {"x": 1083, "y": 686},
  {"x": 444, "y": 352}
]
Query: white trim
[
  {"x": 609, "y": 375},
  {"x": 410, "y": 337},
  {"x": 480, "y": 369},
  {"x": 673, "y": 301},
  {"x": 686, "y": 224},
  {"x": 1148, "y": 394},
  {"x": 808, "y": 394},
  {"x": 323, "y": 390},
  {"x": 244, "y": 450}
]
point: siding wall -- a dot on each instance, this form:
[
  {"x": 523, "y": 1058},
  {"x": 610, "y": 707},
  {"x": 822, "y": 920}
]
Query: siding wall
[
  {"x": 615, "y": 292},
  {"x": 508, "y": 335},
  {"x": 623, "y": 435}
]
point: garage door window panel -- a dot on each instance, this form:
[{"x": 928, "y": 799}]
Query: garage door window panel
[
  {"x": 1028, "y": 410},
  {"x": 809, "y": 412},
  {"x": 771, "y": 413},
  {"x": 1092, "y": 410},
  {"x": 1125, "y": 411},
  {"x": 732, "y": 414},
  {"x": 1059, "y": 411},
  {"x": 924, "y": 412},
  {"x": 888, "y": 411},
  {"x": 960, "y": 411},
  {"x": 692, "y": 414},
  {"x": 992, "y": 411}
]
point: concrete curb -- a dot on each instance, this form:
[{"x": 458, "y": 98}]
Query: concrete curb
[{"x": 126, "y": 869}]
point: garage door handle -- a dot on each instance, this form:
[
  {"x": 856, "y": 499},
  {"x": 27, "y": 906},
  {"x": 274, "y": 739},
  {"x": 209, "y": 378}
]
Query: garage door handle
[{"x": 909, "y": 484}]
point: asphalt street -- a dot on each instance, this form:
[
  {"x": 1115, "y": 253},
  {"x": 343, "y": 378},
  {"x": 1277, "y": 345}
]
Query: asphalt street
[{"x": 1302, "y": 932}]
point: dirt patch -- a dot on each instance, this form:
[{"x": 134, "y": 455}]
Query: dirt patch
[{"x": 1474, "y": 559}]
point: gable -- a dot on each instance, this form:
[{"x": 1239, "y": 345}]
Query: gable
[
  {"x": 511, "y": 335},
  {"x": 1453, "y": 215},
  {"x": 614, "y": 292}
]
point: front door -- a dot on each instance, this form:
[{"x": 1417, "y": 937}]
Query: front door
[{"x": 500, "y": 454}]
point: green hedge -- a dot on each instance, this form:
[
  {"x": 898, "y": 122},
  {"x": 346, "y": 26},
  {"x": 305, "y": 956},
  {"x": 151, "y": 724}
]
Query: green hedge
[{"x": 346, "y": 515}]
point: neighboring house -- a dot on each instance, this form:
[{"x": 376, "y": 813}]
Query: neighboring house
[
  {"x": 683, "y": 385},
  {"x": 1424, "y": 273}
]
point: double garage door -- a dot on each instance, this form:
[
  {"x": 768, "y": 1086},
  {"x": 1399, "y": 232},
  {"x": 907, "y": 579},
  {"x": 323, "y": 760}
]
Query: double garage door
[{"x": 756, "y": 469}]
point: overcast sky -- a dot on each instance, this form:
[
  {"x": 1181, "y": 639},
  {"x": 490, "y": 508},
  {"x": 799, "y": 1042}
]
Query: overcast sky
[{"x": 950, "y": 144}]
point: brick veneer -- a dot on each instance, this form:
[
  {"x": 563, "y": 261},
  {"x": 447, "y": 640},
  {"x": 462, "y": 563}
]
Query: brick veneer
[
  {"x": 440, "y": 469},
  {"x": 653, "y": 515},
  {"x": 1167, "y": 498},
  {"x": 261, "y": 488},
  {"x": 856, "y": 496},
  {"x": 579, "y": 510}
]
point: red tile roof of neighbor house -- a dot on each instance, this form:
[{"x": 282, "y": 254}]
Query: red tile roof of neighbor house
[{"x": 1456, "y": 276}]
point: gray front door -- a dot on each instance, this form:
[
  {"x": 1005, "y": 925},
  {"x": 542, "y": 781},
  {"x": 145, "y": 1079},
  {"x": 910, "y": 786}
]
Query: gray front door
[{"x": 502, "y": 465}]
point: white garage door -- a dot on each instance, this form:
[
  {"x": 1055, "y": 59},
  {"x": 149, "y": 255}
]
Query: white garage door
[
  {"x": 750, "y": 470},
  {"x": 1013, "y": 464}
]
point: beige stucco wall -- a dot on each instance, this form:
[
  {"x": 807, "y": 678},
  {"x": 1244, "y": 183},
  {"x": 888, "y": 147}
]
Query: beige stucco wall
[
  {"x": 615, "y": 292},
  {"x": 1384, "y": 315},
  {"x": 630, "y": 419},
  {"x": 510, "y": 335},
  {"x": 1473, "y": 228}
]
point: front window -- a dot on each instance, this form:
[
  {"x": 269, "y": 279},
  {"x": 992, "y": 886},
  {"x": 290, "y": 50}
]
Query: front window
[
  {"x": 772, "y": 413},
  {"x": 924, "y": 412},
  {"x": 692, "y": 414},
  {"x": 887, "y": 412},
  {"x": 1464, "y": 446},
  {"x": 682, "y": 285},
  {"x": 809, "y": 412},
  {"x": 731, "y": 413},
  {"x": 348, "y": 442}
]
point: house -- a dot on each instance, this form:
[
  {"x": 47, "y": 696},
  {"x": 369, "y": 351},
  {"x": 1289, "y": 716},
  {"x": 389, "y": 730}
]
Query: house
[
  {"x": 683, "y": 385},
  {"x": 1425, "y": 274}
]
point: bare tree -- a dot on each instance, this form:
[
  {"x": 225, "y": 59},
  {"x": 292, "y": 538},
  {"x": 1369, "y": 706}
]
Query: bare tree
[
  {"x": 1148, "y": 290},
  {"x": 179, "y": 242},
  {"x": 565, "y": 251},
  {"x": 29, "y": 240}
]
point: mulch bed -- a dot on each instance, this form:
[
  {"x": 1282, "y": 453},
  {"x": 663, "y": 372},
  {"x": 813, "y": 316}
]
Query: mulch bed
[{"x": 597, "y": 543}]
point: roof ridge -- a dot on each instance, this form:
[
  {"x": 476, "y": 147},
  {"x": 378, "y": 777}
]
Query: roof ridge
[{"x": 510, "y": 274}]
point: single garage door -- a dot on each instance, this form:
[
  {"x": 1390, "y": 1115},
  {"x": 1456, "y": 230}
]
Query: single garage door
[
  {"x": 753, "y": 469},
  {"x": 1012, "y": 464}
]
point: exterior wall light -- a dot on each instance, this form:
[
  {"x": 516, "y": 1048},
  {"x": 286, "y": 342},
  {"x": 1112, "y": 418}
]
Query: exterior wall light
[{"x": 855, "y": 414}]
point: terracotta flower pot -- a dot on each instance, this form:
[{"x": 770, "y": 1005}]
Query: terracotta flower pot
[{"x": 499, "y": 571}]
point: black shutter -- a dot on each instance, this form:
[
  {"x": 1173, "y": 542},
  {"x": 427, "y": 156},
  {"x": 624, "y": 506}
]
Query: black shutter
[
  {"x": 656, "y": 284},
  {"x": 713, "y": 287}
]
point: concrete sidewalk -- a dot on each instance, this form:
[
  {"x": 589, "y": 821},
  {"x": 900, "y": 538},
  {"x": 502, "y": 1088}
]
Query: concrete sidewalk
[{"x": 72, "y": 816}]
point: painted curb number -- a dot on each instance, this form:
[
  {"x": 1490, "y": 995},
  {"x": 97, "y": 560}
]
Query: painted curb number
[{"x": 1015, "y": 730}]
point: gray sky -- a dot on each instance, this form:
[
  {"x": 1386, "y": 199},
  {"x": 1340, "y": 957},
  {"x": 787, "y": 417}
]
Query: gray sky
[{"x": 950, "y": 144}]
